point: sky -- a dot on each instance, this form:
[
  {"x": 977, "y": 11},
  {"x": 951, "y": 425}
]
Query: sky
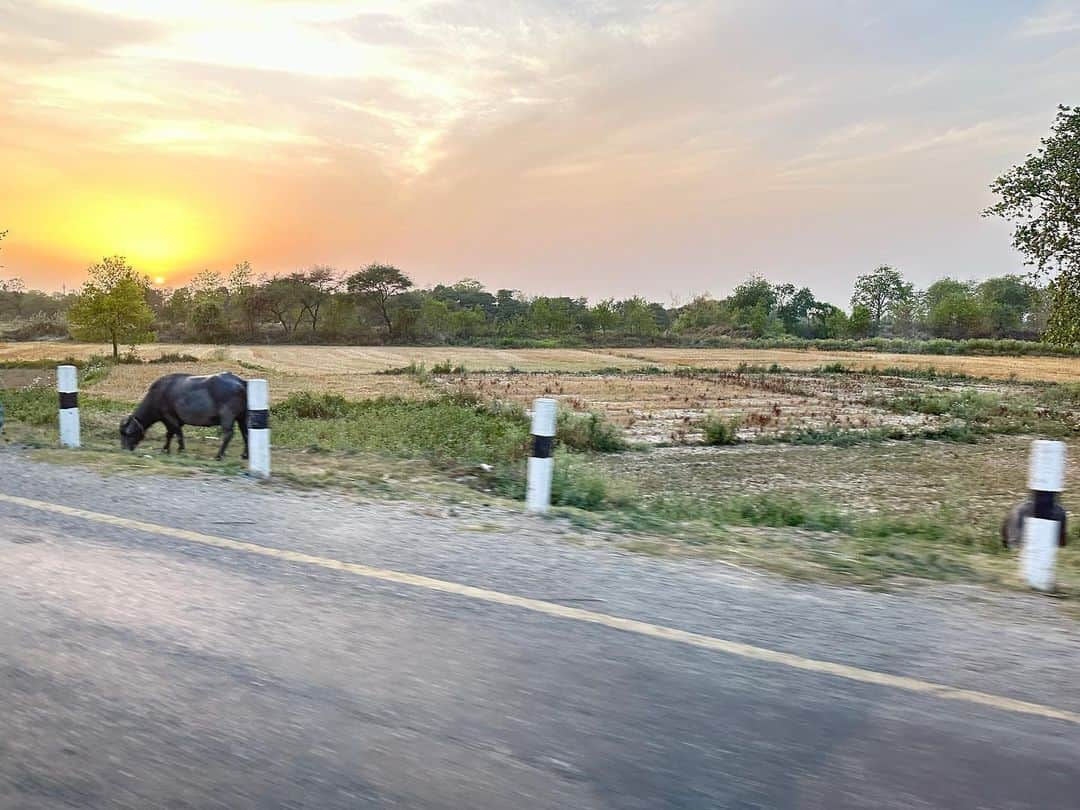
[{"x": 595, "y": 148}]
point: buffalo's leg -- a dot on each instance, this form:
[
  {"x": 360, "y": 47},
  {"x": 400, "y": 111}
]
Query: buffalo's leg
[
  {"x": 227, "y": 423},
  {"x": 172, "y": 428},
  {"x": 242, "y": 424},
  {"x": 180, "y": 446}
]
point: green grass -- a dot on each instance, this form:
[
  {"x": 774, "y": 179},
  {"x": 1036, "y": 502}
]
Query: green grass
[{"x": 450, "y": 428}]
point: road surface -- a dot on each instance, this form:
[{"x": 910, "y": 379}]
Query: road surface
[{"x": 262, "y": 648}]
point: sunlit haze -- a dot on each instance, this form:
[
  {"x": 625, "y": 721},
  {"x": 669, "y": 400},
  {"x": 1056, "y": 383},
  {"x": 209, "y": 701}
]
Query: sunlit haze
[{"x": 596, "y": 148}]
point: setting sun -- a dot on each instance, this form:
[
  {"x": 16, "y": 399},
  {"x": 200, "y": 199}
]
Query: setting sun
[
  {"x": 159, "y": 280},
  {"x": 154, "y": 234}
]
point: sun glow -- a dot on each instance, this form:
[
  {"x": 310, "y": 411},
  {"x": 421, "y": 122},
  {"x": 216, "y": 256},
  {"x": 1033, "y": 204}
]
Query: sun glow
[{"x": 156, "y": 235}]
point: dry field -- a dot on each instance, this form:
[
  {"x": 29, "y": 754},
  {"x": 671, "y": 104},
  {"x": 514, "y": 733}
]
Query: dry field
[
  {"x": 668, "y": 408},
  {"x": 319, "y": 362},
  {"x": 945, "y": 497},
  {"x": 652, "y": 408}
]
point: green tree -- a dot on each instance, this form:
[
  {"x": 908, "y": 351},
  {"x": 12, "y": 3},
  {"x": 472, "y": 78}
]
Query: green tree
[
  {"x": 753, "y": 292},
  {"x": 208, "y": 321},
  {"x": 1009, "y": 304},
  {"x": 955, "y": 315},
  {"x": 111, "y": 306},
  {"x": 793, "y": 305},
  {"x": 861, "y": 322},
  {"x": 377, "y": 284},
  {"x": 604, "y": 316},
  {"x": 637, "y": 317},
  {"x": 435, "y": 321},
  {"x": 704, "y": 313},
  {"x": 1041, "y": 197},
  {"x": 879, "y": 291}
]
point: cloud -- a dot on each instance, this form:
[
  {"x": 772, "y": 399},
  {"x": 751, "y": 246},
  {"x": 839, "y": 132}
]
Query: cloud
[
  {"x": 1056, "y": 18},
  {"x": 546, "y": 141}
]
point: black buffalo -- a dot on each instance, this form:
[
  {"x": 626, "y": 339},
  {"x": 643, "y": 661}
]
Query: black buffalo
[{"x": 184, "y": 399}]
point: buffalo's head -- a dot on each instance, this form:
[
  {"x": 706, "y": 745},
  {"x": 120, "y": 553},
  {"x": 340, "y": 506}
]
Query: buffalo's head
[{"x": 131, "y": 433}]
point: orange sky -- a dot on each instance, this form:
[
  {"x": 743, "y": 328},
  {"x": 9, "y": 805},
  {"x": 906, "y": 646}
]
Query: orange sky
[{"x": 602, "y": 148}]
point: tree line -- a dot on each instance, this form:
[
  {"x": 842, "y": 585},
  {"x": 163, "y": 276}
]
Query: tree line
[{"x": 379, "y": 303}]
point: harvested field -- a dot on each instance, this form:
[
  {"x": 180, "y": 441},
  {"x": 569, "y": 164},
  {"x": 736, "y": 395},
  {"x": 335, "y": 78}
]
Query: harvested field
[
  {"x": 668, "y": 408},
  {"x": 1048, "y": 369},
  {"x": 818, "y": 484},
  {"x": 316, "y": 362},
  {"x": 128, "y": 383}
]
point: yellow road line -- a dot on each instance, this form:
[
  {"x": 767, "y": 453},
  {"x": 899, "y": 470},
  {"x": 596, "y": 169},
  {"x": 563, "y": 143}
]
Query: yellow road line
[{"x": 640, "y": 628}]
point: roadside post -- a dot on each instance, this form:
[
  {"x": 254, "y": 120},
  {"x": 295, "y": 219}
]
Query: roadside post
[
  {"x": 1042, "y": 530},
  {"x": 67, "y": 385},
  {"x": 541, "y": 463},
  {"x": 258, "y": 423}
]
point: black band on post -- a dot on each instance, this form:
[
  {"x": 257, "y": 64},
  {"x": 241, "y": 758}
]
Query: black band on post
[
  {"x": 69, "y": 399},
  {"x": 258, "y": 420},
  {"x": 1043, "y": 505},
  {"x": 543, "y": 446}
]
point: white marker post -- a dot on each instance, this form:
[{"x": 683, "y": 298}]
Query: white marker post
[
  {"x": 1042, "y": 531},
  {"x": 258, "y": 423},
  {"x": 541, "y": 463},
  {"x": 67, "y": 385}
]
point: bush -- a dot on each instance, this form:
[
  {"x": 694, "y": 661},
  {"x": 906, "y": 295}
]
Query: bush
[
  {"x": 720, "y": 431},
  {"x": 447, "y": 367},
  {"x": 308, "y": 405},
  {"x": 588, "y": 432},
  {"x": 174, "y": 357}
]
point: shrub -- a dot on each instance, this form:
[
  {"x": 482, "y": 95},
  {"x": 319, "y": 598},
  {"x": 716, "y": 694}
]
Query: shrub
[
  {"x": 588, "y": 432},
  {"x": 308, "y": 405},
  {"x": 174, "y": 357},
  {"x": 447, "y": 367},
  {"x": 720, "y": 431}
]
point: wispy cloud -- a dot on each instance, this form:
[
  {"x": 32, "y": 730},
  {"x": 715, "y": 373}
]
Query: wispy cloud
[
  {"x": 1056, "y": 18},
  {"x": 594, "y": 140}
]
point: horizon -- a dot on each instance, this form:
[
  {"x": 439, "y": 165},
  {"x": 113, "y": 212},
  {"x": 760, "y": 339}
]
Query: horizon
[{"x": 665, "y": 150}]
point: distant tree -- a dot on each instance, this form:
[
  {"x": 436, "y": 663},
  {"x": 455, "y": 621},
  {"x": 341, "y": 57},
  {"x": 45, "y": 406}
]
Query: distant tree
[
  {"x": 111, "y": 306},
  {"x": 435, "y": 321},
  {"x": 942, "y": 289},
  {"x": 704, "y": 314},
  {"x": 1009, "y": 305},
  {"x": 208, "y": 321},
  {"x": 281, "y": 299},
  {"x": 605, "y": 317},
  {"x": 836, "y": 323},
  {"x": 879, "y": 291},
  {"x": 637, "y": 317},
  {"x": 957, "y": 315},
  {"x": 861, "y": 322},
  {"x": 176, "y": 310},
  {"x": 754, "y": 292},
  {"x": 378, "y": 284},
  {"x": 467, "y": 294},
  {"x": 793, "y": 305},
  {"x": 313, "y": 290},
  {"x": 1041, "y": 196}
]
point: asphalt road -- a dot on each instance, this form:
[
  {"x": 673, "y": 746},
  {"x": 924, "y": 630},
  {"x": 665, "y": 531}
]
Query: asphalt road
[{"x": 140, "y": 670}]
